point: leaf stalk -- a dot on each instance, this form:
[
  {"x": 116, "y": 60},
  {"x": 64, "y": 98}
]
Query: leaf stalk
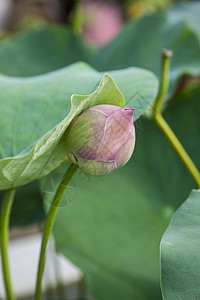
[
  {"x": 49, "y": 225},
  {"x": 160, "y": 121},
  {"x": 162, "y": 124},
  {"x": 77, "y": 18},
  {"x": 4, "y": 236}
]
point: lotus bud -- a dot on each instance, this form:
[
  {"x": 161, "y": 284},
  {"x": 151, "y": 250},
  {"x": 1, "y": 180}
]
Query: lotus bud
[{"x": 101, "y": 139}]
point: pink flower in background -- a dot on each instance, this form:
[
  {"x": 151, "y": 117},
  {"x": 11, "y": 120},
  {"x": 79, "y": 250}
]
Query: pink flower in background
[{"x": 101, "y": 22}]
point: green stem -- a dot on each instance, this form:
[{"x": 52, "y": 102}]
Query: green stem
[
  {"x": 4, "y": 230},
  {"x": 164, "y": 84},
  {"x": 178, "y": 148},
  {"x": 157, "y": 116},
  {"x": 77, "y": 19},
  {"x": 49, "y": 225}
]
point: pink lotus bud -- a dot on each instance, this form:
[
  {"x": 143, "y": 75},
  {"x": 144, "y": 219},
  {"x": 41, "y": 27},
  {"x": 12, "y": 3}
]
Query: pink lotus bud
[{"x": 101, "y": 139}]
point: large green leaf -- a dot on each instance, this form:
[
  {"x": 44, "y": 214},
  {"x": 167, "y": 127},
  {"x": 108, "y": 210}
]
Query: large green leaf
[
  {"x": 139, "y": 44},
  {"x": 112, "y": 230},
  {"x": 187, "y": 11},
  {"x": 31, "y": 107},
  {"x": 180, "y": 261},
  {"x": 41, "y": 51}
]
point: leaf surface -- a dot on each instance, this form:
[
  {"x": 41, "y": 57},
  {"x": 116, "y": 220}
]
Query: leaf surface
[
  {"x": 36, "y": 113},
  {"x": 180, "y": 262},
  {"x": 187, "y": 12}
]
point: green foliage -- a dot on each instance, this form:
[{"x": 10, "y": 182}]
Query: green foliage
[
  {"x": 113, "y": 228},
  {"x": 187, "y": 12},
  {"x": 28, "y": 206},
  {"x": 41, "y": 51},
  {"x": 139, "y": 44},
  {"x": 180, "y": 245},
  {"x": 35, "y": 101}
]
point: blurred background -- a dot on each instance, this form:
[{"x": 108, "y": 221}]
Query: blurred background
[{"x": 98, "y": 21}]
